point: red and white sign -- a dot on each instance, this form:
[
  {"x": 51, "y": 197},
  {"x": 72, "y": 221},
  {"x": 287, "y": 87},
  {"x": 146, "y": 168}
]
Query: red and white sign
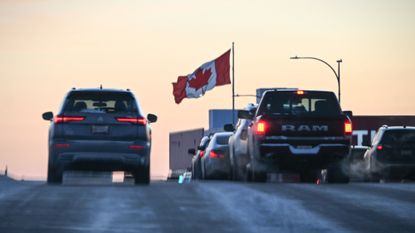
[{"x": 206, "y": 77}]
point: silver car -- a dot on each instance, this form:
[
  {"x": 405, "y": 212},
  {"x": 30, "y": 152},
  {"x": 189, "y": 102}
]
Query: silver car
[{"x": 215, "y": 161}]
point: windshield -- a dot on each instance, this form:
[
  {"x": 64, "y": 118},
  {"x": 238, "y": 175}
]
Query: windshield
[
  {"x": 100, "y": 102},
  {"x": 307, "y": 104}
]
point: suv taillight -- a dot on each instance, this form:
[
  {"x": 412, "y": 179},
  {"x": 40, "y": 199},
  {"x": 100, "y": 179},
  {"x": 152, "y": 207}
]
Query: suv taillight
[
  {"x": 132, "y": 120},
  {"x": 261, "y": 127},
  {"x": 348, "y": 128},
  {"x": 63, "y": 119}
]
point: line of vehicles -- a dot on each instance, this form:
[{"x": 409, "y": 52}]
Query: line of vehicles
[
  {"x": 306, "y": 133},
  {"x": 290, "y": 130}
]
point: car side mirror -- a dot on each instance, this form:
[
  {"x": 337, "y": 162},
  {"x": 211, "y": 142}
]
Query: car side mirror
[
  {"x": 151, "y": 118},
  {"x": 229, "y": 128},
  {"x": 191, "y": 151},
  {"x": 48, "y": 116},
  {"x": 348, "y": 113},
  {"x": 243, "y": 114},
  {"x": 201, "y": 148}
]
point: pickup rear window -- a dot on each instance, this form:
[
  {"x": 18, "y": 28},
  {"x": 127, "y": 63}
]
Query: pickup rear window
[
  {"x": 307, "y": 104},
  {"x": 100, "y": 102}
]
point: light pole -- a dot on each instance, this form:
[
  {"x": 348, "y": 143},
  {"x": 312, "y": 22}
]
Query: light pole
[{"x": 337, "y": 74}]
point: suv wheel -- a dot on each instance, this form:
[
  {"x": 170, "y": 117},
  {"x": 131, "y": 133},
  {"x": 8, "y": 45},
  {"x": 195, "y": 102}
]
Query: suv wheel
[
  {"x": 142, "y": 175},
  {"x": 55, "y": 175}
]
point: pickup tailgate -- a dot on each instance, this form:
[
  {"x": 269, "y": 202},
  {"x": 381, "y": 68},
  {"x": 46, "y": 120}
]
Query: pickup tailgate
[{"x": 305, "y": 126}]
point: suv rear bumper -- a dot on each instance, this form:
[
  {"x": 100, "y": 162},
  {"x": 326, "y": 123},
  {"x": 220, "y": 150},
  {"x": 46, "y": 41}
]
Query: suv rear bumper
[
  {"x": 100, "y": 155},
  {"x": 101, "y": 161}
]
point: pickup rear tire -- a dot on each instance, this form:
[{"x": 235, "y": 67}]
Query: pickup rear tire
[
  {"x": 309, "y": 176},
  {"x": 259, "y": 177},
  {"x": 142, "y": 175}
]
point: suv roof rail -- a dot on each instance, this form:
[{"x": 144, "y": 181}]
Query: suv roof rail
[
  {"x": 384, "y": 126},
  {"x": 73, "y": 88}
]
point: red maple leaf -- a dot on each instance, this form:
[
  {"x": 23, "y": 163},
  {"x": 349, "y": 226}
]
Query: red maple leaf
[{"x": 201, "y": 79}]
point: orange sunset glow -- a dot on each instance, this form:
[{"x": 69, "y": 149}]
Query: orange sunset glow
[{"x": 47, "y": 47}]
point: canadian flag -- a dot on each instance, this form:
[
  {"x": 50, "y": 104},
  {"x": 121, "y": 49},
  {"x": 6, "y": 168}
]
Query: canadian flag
[{"x": 207, "y": 76}]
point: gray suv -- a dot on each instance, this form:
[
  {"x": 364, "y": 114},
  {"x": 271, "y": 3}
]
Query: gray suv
[{"x": 102, "y": 130}]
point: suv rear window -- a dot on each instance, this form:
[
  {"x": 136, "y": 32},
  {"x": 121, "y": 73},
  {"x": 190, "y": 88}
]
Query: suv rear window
[
  {"x": 307, "y": 104},
  {"x": 398, "y": 137},
  {"x": 100, "y": 102}
]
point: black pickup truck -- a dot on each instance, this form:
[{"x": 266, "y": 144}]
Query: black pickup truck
[{"x": 298, "y": 131}]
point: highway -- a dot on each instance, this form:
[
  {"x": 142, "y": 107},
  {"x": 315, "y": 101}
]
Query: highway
[{"x": 206, "y": 206}]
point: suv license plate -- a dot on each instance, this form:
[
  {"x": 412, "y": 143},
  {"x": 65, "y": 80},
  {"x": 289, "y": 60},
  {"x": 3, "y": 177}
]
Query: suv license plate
[
  {"x": 304, "y": 147},
  {"x": 100, "y": 129}
]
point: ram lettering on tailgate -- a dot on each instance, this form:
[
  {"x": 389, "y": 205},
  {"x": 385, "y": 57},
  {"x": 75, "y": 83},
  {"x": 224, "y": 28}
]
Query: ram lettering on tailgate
[{"x": 309, "y": 128}]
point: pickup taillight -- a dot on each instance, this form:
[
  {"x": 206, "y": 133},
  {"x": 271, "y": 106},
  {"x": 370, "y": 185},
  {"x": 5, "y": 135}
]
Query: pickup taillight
[
  {"x": 261, "y": 127},
  {"x": 348, "y": 128},
  {"x": 63, "y": 119}
]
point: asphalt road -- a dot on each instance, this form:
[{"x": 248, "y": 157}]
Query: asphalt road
[{"x": 207, "y": 207}]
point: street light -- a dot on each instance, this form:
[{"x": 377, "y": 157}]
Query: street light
[{"x": 337, "y": 74}]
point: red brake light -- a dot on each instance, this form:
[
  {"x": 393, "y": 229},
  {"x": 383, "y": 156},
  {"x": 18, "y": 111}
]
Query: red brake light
[
  {"x": 379, "y": 147},
  {"x": 134, "y": 120},
  {"x": 261, "y": 127},
  {"x": 62, "y": 145},
  {"x": 348, "y": 128},
  {"x": 136, "y": 147},
  {"x": 213, "y": 155},
  {"x": 202, "y": 152},
  {"x": 63, "y": 119}
]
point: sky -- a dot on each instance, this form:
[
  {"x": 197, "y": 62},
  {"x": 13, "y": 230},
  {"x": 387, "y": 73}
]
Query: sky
[{"x": 49, "y": 46}]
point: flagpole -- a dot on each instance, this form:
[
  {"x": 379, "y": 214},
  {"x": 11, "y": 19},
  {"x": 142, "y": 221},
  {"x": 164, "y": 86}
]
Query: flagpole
[{"x": 233, "y": 84}]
